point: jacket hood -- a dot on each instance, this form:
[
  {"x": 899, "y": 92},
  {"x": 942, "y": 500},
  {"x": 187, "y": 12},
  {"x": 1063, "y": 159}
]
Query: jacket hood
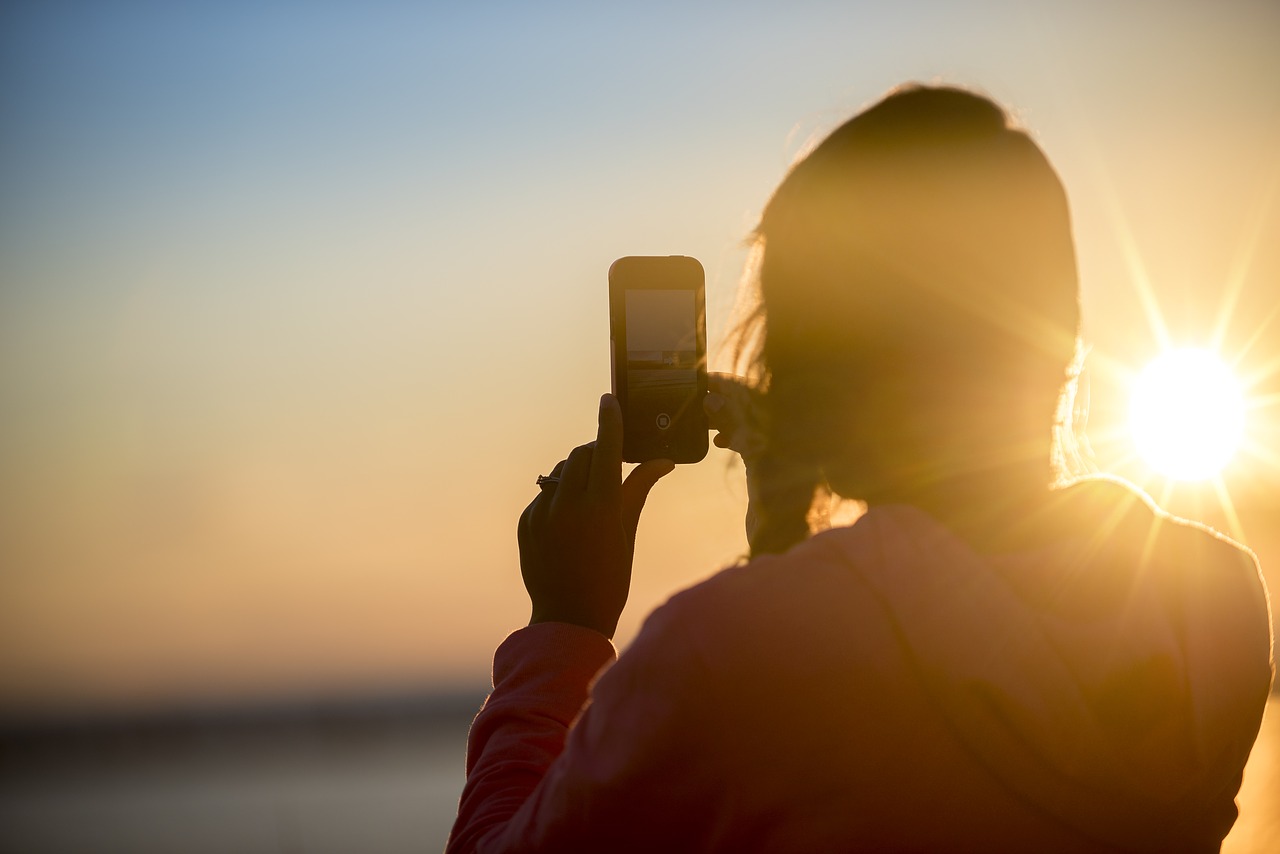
[{"x": 1115, "y": 677}]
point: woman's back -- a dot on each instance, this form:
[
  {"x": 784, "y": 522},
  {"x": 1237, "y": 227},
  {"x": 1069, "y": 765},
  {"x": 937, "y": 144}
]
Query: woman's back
[{"x": 884, "y": 687}]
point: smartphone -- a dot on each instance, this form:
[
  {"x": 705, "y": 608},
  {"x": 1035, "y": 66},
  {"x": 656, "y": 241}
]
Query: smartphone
[{"x": 658, "y": 333}]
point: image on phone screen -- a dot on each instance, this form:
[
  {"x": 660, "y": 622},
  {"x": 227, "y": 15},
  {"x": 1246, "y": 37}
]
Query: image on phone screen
[{"x": 662, "y": 355}]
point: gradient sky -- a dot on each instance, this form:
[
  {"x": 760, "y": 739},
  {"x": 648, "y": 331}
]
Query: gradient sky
[{"x": 296, "y": 299}]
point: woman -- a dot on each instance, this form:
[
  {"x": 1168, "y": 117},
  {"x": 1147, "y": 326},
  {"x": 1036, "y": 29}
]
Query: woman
[{"x": 991, "y": 658}]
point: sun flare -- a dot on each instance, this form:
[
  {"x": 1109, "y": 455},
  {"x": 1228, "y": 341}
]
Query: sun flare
[{"x": 1186, "y": 414}]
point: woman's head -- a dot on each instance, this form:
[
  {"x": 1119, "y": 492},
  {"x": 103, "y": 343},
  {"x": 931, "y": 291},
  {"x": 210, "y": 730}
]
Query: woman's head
[{"x": 918, "y": 304}]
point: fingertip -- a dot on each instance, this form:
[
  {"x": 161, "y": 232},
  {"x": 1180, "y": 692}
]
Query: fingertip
[
  {"x": 607, "y": 449},
  {"x": 662, "y": 468},
  {"x": 610, "y": 411},
  {"x": 653, "y": 470}
]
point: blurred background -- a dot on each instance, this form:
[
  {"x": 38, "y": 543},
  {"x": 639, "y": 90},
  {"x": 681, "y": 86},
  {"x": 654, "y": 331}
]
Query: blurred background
[{"x": 296, "y": 300}]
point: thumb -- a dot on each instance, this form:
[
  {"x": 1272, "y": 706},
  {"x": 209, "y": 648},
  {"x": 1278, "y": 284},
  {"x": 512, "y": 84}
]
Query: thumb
[{"x": 635, "y": 489}]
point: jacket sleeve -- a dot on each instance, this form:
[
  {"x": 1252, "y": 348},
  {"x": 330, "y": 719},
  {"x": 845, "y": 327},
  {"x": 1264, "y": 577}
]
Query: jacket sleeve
[
  {"x": 540, "y": 679},
  {"x": 619, "y": 777}
]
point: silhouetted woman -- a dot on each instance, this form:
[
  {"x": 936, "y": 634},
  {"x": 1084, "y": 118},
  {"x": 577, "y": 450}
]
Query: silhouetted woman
[{"x": 993, "y": 657}]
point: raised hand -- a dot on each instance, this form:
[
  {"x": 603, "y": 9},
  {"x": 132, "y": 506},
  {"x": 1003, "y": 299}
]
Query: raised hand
[
  {"x": 733, "y": 410},
  {"x": 577, "y": 536}
]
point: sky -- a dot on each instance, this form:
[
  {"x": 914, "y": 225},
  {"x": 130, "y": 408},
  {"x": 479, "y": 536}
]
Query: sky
[{"x": 297, "y": 299}]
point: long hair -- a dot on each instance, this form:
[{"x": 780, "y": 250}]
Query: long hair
[{"x": 918, "y": 312}]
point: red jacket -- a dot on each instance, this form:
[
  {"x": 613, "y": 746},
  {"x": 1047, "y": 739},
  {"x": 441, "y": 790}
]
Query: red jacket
[{"x": 883, "y": 687}]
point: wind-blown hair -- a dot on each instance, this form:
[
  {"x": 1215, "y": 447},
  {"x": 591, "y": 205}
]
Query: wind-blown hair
[{"x": 918, "y": 313}]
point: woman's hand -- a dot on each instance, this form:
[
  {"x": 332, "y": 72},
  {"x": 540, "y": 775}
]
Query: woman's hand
[
  {"x": 733, "y": 409},
  {"x": 577, "y": 536}
]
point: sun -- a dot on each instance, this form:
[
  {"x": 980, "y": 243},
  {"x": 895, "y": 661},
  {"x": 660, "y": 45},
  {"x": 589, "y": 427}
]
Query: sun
[{"x": 1186, "y": 414}]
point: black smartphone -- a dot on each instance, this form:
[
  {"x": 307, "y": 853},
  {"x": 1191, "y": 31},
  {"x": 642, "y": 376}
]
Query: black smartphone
[{"x": 658, "y": 332}]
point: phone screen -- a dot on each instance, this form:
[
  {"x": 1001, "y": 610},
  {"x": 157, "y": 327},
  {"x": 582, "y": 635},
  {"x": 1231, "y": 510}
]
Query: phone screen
[
  {"x": 662, "y": 354},
  {"x": 658, "y": 344}
]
